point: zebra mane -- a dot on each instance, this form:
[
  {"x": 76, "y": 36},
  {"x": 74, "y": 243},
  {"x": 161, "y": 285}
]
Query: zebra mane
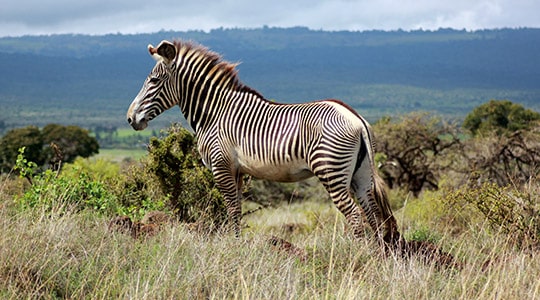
[{"x": 189, "y": 48}]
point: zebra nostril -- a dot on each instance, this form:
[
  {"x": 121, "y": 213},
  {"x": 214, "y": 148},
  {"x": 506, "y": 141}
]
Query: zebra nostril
[{"x": 129, "y": 120}]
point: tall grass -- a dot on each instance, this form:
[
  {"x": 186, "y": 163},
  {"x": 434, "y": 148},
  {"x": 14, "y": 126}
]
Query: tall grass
[{"x": 73, "y": 255}]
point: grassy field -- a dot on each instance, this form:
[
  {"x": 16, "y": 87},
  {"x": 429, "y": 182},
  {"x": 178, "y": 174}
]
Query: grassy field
[
  {"x": 63, "y": 246},
  {"x": 117, "y": 155},
  {"x": 73, "y": 255},
  {"x": 128, "y": 132}
]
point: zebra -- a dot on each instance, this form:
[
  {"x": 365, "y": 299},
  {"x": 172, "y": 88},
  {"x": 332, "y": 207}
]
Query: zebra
[{"x": 240, "y": 132}]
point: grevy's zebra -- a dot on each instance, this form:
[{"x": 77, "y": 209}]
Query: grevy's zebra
[{"x": 239, "y": 132}]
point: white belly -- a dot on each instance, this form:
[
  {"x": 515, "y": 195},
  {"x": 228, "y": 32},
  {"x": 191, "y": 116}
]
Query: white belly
[{"x": 289, "y": 171}]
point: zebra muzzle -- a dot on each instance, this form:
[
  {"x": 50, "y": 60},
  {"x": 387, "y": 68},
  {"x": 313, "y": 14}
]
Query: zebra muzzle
[{"x": 137, "y": 123}]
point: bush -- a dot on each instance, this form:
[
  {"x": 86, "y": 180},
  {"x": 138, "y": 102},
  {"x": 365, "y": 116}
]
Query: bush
[
  {"x": 511, "y": 211},
  {"x": 53, "y": 191},
  {"x": 138, "y": 191},
  {"x": 189, "y": 185},
  {"x": 171, "y": 177},
  {"x": 503, "y": 159}
]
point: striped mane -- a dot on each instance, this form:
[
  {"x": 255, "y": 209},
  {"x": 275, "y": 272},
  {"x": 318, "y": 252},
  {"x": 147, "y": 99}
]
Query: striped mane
[{"x": 189, "y": 49}]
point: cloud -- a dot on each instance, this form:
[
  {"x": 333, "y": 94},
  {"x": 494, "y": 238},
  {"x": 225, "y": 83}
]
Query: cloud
[{"x": 133, "y": 16}]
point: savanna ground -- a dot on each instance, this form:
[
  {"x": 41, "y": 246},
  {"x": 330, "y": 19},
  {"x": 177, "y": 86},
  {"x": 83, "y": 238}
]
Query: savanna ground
[{"x": 66, "y": 253}]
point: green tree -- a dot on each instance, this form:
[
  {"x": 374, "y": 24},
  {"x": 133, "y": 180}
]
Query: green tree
[
  {"x": 65, "y": 143},
  {"x": 29, "y": 137},
  {"x": 50, "y": 146},
  {"x": 500, "y": 117}
]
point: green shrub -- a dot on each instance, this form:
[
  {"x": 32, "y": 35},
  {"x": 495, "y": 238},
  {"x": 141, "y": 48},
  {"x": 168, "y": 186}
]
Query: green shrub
[
  {"x": 511, "y": 211},
  {"x": 137, "y": 191},
  {"x": 422, "y": 234},
  {"x": 171, "y": 177},
  {"x": 189, "y": 185},
  {"x": 99, "y": 169},
  {"x": 425, "y": 218},
  {"x": 51, "y": 190}
]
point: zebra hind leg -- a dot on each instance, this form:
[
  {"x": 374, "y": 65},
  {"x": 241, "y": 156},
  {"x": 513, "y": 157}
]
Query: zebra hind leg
[
  {"x": 230, "y": 187},
  {"x": 341, "y": 197}
]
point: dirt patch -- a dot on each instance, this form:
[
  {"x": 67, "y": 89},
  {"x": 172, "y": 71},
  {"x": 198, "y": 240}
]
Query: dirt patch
[
  {"x": 284, "y": 246},
  {"x": 149, "y": 226},
  {"x": 429, "y": 253}
]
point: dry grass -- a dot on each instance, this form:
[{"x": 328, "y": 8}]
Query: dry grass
[{"x": 75, "y": 256}]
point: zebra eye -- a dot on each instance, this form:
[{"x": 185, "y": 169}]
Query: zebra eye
[{"x": 153, "y": 80}]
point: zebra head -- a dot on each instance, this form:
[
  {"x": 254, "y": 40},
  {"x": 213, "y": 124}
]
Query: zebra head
[{"x": 154, "y": 97}]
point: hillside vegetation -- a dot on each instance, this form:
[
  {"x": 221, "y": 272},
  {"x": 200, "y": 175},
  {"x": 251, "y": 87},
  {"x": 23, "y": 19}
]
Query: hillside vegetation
[{"x": 90, "y": 80}]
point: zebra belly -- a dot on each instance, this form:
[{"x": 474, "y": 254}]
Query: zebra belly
[{"x": 284, "y": 172}]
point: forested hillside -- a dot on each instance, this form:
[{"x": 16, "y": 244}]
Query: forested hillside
[{"x": 90, "y": 80}]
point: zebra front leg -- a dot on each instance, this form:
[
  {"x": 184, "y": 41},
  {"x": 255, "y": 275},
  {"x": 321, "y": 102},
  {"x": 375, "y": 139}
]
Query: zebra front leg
[{"x": 230, "y": 187}]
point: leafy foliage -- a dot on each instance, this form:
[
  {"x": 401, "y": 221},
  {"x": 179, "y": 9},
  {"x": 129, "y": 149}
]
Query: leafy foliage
[
  {"x": 513, "y": 211},
  {"x": 53, "y": 145},
  {"x": 28, "y": 137},
  {"x": 26, "y": 168},
  {"x": 172, "y": 177},
  {"x": 138, "y": 191},
  {"x": 175, "y": 162},
  {"x": 500, "y": 117},
  {"x": 414, "y": 151},
  {"x": 51, "y": 191}
]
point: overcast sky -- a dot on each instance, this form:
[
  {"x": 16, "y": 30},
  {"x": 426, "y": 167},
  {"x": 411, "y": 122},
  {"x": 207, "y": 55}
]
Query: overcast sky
[{"x": 30, "y": 17}]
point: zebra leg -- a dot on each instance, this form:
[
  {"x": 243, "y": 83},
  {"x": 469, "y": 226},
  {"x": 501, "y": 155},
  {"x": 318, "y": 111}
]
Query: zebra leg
[
  {"x": 369, "y": 189},
  {"x": 230, "y": 187},
  {"x": 340, "y": 194},
  {"x": 353, "y": 214}
]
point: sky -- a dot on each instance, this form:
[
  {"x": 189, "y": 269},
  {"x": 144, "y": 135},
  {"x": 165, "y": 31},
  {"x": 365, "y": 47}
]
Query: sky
[{"x": 38, "y": 17}]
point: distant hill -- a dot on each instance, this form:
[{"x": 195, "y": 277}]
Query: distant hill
[{"x": 90, "y": 80}]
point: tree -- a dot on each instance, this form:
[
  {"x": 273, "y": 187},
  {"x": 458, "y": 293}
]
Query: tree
[
  {"x": 65, "y": 143},
  {"x": 502, "y": 159},
  {"x": 29, "y": 137},
  {"x": 50, "y": 146},
  {"x": 505, "y": 147},
  {"x": 500, "y": 117},
  {"x": 415, "y": 150}
]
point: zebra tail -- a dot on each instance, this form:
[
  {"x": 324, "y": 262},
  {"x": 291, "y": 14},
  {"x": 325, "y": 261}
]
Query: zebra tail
[{"x": 391, "y": 234}]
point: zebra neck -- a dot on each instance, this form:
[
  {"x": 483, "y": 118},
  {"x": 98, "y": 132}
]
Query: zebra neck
[{"x": 203, "y": 111}]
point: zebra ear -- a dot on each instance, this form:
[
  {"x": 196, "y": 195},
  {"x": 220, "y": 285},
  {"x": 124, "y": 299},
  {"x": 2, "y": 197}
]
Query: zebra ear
[{"x": 165, "y": 51}]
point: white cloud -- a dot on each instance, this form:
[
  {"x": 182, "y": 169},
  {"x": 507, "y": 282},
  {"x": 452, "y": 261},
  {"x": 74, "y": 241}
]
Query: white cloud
[{"x": 131, "y": 16}]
